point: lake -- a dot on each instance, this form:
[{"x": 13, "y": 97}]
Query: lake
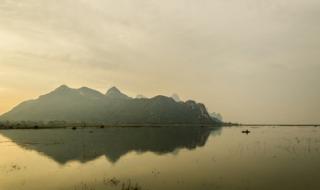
[{"x": 268, "y": 158}]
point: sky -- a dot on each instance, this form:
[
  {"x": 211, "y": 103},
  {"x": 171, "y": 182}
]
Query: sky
[{"x": 253, "y": 61}]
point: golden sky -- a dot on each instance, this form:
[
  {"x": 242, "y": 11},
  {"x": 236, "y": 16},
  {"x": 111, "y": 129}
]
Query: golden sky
[{"x": 250, "y": 60}]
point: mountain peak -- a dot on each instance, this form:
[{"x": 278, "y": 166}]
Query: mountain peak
[
  {"x": 86, "y": 89},
  {"x": 88, "y": 92},
  {"x": 62, "y": 87},
  {"x": 114, "y": 92}
]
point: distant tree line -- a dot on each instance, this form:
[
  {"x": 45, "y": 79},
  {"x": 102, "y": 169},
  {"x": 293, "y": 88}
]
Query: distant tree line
[{"x": 42, "y": 124}]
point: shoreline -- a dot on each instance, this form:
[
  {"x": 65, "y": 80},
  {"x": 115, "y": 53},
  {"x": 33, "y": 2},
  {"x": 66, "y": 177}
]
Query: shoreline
[
  {"x": 280, "y": 125},
  {"x": 74, "y": 127}
]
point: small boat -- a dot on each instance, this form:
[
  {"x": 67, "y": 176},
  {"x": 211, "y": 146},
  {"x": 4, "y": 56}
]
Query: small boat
[{"x": 246, "y": 131}]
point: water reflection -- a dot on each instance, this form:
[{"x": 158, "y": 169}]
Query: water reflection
[
  {"x": 88, "y": 144},
  {"x": 277, "y": 158}
]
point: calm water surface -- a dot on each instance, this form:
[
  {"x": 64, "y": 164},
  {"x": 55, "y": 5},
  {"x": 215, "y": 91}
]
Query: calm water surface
[{"x": 276, "y": 158}]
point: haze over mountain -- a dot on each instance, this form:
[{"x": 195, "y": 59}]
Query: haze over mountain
[
  {"x": 176, "y": 97},
  {"x": 216, "y": 116},
  {"x": 90, "y": 106},
  {"x": 140, "y": 96}
]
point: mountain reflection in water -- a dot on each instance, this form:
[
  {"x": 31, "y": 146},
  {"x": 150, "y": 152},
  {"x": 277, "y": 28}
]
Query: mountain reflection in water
[{"x": 83, "y": 145}]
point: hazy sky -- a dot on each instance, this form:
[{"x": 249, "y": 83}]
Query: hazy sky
[{"x": 250, "y": 60}]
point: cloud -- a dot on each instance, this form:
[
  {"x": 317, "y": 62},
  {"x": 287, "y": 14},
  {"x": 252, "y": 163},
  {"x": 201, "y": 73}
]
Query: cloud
[{"x": 202, "y": 49}]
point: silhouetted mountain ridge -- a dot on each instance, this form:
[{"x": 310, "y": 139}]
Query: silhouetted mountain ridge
[{"x": 114, "y": 107}]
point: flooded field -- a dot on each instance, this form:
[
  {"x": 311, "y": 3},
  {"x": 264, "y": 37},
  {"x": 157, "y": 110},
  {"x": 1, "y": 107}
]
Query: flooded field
[{"x": 277, "y": 158}]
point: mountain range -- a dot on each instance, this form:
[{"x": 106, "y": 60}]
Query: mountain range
[{"x": 112, "y": 108}]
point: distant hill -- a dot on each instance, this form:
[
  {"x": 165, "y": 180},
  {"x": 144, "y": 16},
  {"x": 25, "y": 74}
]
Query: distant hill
[
  {"x": 113, "y": 108},
  {"x": 216, "y": 116}
]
